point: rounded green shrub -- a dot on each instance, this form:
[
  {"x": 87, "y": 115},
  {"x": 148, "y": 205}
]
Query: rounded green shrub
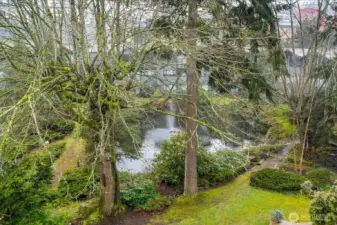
[
  {"x": 156, "y": 203},
  {"x": 323, "y": 207},
  {"x": 321, "y": 178},
  {"x": 276, "y": 180},
  {"x": 169, "y": 164},
  {"x": 139, "y": 192}
]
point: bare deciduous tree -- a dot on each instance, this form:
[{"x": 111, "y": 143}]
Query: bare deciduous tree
[
  {"x": 81, "y": 58},
  {"x": 305, "y": 79}
]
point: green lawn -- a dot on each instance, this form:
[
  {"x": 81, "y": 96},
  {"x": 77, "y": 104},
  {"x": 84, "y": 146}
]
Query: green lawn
[{"x": 235, "y": 203}]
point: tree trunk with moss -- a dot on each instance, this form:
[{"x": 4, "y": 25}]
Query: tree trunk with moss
[
  {"x": 103, "y": 144},
  {"x": 107, "y": 183}
]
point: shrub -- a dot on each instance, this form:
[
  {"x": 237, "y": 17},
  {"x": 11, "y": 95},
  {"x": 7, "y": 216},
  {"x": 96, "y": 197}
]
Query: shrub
[
  {"x": 321, "y": 178},
  {"x": 318, "y": 208},
  {"x": 61, "y": 126},
  {"x": 276, "y": 180},
  {"x": 223, "y": 175},
  {"x": 140, "y": 193},
  {"x": 79, "y": 183},
  {"x": 306, "y": 188},
  {"x": 157, "y": 203},
  {"x": 228, "y": 164},
  {"x": 232, "y": 160},
  {"x": 137, "y": 192},
  {"x": 24, "y": 184},
  {"x": 277, "y": 216},
  {"x": 169, "y": 164},
  {"x": 331, "y": 199},
  {"x": 323, "y": 208}
]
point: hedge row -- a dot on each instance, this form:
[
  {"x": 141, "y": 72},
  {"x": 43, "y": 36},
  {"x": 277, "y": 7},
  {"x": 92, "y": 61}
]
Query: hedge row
[{"x": 276, "y": 180}]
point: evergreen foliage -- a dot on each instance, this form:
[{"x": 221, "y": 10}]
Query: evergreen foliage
[
  {"x": 276, "y": 180},
  {"x": 322, "y": 178},
  {"x": 24, "y": 184},
  {"x": 79, "y": 183}
]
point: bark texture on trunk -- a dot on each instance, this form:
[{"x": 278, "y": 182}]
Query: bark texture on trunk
[
  {"x": 102, "y": 143},
  {"x": 107, "y": 184},
  {"x": 191, "y": 176}
]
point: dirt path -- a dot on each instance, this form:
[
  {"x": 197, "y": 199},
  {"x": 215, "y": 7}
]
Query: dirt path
[
  {"x": 128, "y": 218},
  {"x": 68, "y": 160},
  {"x": 276, "y": 161}
]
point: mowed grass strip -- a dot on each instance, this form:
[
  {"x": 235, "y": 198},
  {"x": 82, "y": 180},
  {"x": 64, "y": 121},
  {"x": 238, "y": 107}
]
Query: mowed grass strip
[{"x": 234, "y": 203}]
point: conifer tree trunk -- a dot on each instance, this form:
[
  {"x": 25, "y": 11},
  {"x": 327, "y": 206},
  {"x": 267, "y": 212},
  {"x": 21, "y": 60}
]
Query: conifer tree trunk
[{"x": 191, "y": 176}]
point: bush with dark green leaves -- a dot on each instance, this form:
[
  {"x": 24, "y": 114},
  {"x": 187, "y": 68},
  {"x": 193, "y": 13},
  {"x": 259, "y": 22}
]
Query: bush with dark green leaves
[
  {"x": 321, "y": 178},
  {"x": 139, "y": 192},
  {"x": 276, "y": 180},
  {"x": 79, "y": 183},
  {"x": 169, "y": 164}
]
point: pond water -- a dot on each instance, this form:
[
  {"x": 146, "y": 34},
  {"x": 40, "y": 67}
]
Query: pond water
[{"x": 154, "y": 137}]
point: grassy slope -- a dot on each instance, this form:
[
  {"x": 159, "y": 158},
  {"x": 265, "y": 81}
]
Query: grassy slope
[
  {"x": 71, "y": 211},
  {"x": 235, "y": 203},
  {"x": 73, "y": 156}
]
